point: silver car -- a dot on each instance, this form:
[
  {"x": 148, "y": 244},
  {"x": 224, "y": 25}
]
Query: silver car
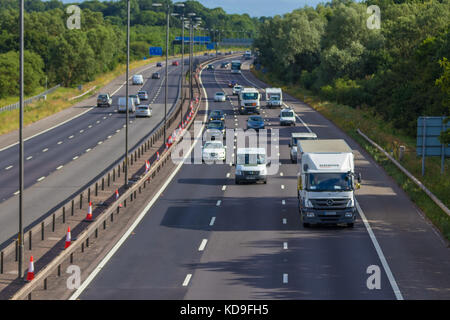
[
  {"x": 143, "y": 110},
  {"x": 219, "y": 97}
]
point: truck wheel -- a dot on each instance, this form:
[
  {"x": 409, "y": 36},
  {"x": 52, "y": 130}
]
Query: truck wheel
[
  {"x": 350, "y": 225},
  {"x": 306, "y": 225}
]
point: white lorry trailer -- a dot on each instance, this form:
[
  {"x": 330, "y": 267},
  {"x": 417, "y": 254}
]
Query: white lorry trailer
[
  {"x": 326, "y": 182},
  {"x": 274, "y": 97},
  {"x": 249, "y": 101}
]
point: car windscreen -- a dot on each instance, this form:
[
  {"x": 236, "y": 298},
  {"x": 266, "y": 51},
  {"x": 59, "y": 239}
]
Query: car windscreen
[
  {"x": 102, "y": 96},
  {"x": 216, "y": 114},
  {"x": 213, "y": 145},
  {"x": 287, "y": 114},
  {"x": 328, "y": 182},
  {"x": 274, "y": 97},
  {"x": 143, "y": 108},
  {"x": 250, "y": 96},
  {"x": 252, "y": 158},
  {"x": 214, "y": 125},
  {"x": 219, "y": 93},
  {"x": 256, "y": 119}
]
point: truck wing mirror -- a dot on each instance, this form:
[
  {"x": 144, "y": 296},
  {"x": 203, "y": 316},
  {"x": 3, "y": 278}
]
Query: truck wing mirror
[
  {"x": 305, "y": 167},
  {"x": 359, "y": 177},
  {"x": 289, "y": 144}
]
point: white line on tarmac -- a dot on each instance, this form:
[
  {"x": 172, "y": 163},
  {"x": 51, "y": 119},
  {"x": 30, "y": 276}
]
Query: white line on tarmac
[
  {"x": 383, "y": 260},
  {"x": 9, "y": 167},
  {"x": 203, "y": 245},
  {"x": 285, "y": 245},
  {"x": 60, "y": 142},
  {"x": 283, "y": 202},
  {"x": 45, "y": 150},
  {"x": 228, "y": 175},
  {"x": 60, "y": 167},
  {"x": 223, "y": 188},
  {"x": 40, "y": 179},
  {"x": 17, "y": 192},
  {"x": 213, "y": 219},
  {"x": 285, "y": 278},
  {"x": 186, "y": 281},
  {"x": 30, "y": 157},
  {"x": 75, "y": 158},
  {"x": 70, "y": 137},
  {"x": 87, "y": 150},
  {"x": 282, "y": 186},
  {"x": 218, "y": 203},
  {"x": 284, "y": 220}
]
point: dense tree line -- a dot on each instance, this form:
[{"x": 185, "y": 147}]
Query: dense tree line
[
  {"x": 72, "y": 57},
  {"x": 398, "y": 69}
]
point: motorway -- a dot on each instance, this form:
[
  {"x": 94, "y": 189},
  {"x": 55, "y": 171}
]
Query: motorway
[
  {"x": 62, "y": 160},
  {"x": 207, "y": 238}
]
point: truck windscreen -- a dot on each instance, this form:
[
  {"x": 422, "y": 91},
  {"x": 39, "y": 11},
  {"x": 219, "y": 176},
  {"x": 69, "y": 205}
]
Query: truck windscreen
[
  {"x": 329, "y": 182},
  {"x": 250, "y": 96}
]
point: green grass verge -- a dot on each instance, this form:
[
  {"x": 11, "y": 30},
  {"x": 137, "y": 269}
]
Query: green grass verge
[{"x": 389, "y": 138}]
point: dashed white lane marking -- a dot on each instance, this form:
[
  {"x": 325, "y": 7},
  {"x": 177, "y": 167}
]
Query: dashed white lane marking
[
  {"x": 285, "y": 245},
  {"x": 87, "y": 150},
  {"x": 17, "y": 192},
  {"x": 8, "y": 167},
  {"x": 75, "y": 158},
  {"x": 30, "y": 157},
  {"x": 281, "y": 173},
  {"x": 110, "y": 114},
  {"x": 223, "y": 188},
  {"x": 282, "y": 186},
  {"x": 213, "y": 219},
  {"x": 285, "y": 278},
  {"x": 70, "y": 137},
  {"x": 203, "y": 245},
  {"x": 104, "y": 117},
  {"x": 187, "y": 279},
  {"x": 45, "y": 150},
  {"x": 100, "y": 142},
  {"x": 90, "y": 126},
  {"x": 109, "y": 137},
  {"x": 284, "y": 220},
  {"x": 118, "y": 130},
  {"x": 81, "y": 131},
  {"x": 60, "y": 142},
  {"x": 283, "y": 202},
  {"x": 218, "y": 203},
  {"x": 98, "y": 121},
  {"x": 40, "y": 179},
  {"x": 228, "y": 175},
  {"x": 60, "y": 167}
]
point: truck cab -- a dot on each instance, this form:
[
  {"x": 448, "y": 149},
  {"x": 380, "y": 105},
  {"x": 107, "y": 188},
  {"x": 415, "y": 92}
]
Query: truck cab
[
  {"x": 274, "y": 97},
  {"x": 326, "y": 182},
  {"x": 251, "y": 165},
  {"x": 249, "y": 101},
  {"x": 295, "y": 138}
]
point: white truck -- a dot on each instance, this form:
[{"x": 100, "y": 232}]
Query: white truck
[
  {"x": 251, "y": 165},
  {"x": 297, "y": 136},
  {"x": 274, "y": 97},
  {"x": 249, "y": 101},
  {"x": 236, "y": 66},
  {"x": 326, "y": 182}
]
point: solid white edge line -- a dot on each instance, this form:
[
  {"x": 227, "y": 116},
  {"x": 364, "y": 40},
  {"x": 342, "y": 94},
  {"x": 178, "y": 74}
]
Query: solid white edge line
[
  {"x": 213, "y": 219},
  {"x": 143, "y": 212},
  {"x": 203, "y": 245},
  {"x": 383, "y": 260},
  {"x": 218, "y": 202},
  {"x": 285, "y": 278},
  {"x": 187, "y": 279}
]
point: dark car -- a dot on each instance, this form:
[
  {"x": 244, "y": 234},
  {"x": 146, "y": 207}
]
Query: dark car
[
  {"x": 104, "y": 100},
  {"x": 210, "y": 67},
  {"x": 175, "y": 63},
  {"x": 224, "y": 64},
  {"x": 143, "y": 95},
  {"x": 217, "y": 115},
  {"x": 156, "y": 75},
  {"x": 215, "y": 128},
  {"x": 255, "y": 122},
  {"x": 232, "y": 83},
  {"x": 159, "y": 64}
]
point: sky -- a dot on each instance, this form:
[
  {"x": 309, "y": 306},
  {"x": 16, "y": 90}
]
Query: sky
[{"x": 254, "y": 8}]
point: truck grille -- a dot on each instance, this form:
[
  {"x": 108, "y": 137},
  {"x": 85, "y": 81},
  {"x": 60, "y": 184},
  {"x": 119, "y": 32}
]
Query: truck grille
[
  {"x": 250, "y": 173},
  {"x": 329, "y": 203}
]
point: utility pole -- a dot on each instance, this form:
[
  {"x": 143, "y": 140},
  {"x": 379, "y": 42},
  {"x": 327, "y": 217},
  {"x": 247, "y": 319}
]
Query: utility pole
[
  {"x": 127, "y": 95},
  {"x": 20, "y": 235}
]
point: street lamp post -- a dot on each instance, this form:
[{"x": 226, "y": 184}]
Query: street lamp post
[
  {"x": 126, "y": 94},
  {"x": 20, "y": 235}
]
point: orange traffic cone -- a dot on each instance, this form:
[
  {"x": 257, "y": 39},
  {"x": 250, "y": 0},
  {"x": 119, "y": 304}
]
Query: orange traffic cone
[
  {"x": 30, "y": 275},
  {"x": 68, "y": 239},
  {"x": 89, "y": 214}
]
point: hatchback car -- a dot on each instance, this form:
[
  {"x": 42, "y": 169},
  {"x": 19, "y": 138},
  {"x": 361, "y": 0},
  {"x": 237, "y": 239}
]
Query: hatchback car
[
  {"x": 237, "y": 89},
  {"x": 143, "y": 110},
  {"x": 215, "y": 129},
  {"x": 210, "y": 67},
  {"x": 255, "y": 122},
  {"x": 224, "y": 65},
  {"x": 219, "y": 97},
  {"x": 143, "y": 95},
  {"x": 156, "y": 75},
  {"x": 175, "y": 63},
  {"x": 138, "y": 79},
  {"x": 213, "y": 150},
  {"x": 217, "y": 115},
  {"x": 287, "y": 117},
  {"x": 104, "y": 100}
]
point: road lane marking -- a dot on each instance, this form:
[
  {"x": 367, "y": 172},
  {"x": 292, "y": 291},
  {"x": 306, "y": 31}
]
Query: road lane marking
[
  {"x": 203, "y": 245},
  {"x": 228, "y": 175},
  {"x": 81, "y": 131},
  {"x": 100, "y": 142},
  {"x": 90, "y": 126},
  {"x": 87, "y": 150},
  {"x": 383, "y": 260},
  {"x": 17, "y": 192},
  {"x": 109, "y": 137},
  {"x": 186, "y": 281},
  {"x": 60, "y": 167},
  {"x": 285, "y": 278},
  {"x": 284, "y": 220},
  {"x": 282, "y": 186},
  {"x": 218, "y": 203},
  {"x": 60, "y": 142},
  {"x": 281, "y": 173},
  {"x": 223, "y": 188},
  {"x": 40, "y": 179},
  {"x": 213, "y": 219},
  {"x": 283, "y": 202},
  {"x": 30, "y": 157},
  {"x": 45, "y": 150},
  {"x": 70, "y": 137},
  {"x": 285, "y": 245},
  {"x": 75, "y": 158},
  {"x": 9, "y": 167}
]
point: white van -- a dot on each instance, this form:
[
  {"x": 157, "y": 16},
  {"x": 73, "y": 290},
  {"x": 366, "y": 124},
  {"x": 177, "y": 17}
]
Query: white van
[
  {"x": 138, "y": 79},
  {"x": 251, "y": 165},
  {"x": 287, "y": 117},
  {"x": 123, "y": 107}
]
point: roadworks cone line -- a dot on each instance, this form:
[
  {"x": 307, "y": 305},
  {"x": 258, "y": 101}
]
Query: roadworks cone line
[
  {"x": 89, "y": 214},
  {"x": 68, "y": 239},
  {"x": 117, "y": 197},
  {"x": 30, "y": 274}
]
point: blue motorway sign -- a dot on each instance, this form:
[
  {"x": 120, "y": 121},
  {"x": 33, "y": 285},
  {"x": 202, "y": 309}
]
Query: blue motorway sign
[
  {"x": 432, "y": 128},
  {"x": 196, "y": 39},
  {"x": 155, "y": 51},
  {"x": 210, "y": 46}
]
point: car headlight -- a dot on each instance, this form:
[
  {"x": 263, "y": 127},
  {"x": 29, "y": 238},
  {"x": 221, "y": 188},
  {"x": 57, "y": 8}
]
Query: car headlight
[
  {"x": 348, "y": 214},
  {"x": 310, "y": 214}
]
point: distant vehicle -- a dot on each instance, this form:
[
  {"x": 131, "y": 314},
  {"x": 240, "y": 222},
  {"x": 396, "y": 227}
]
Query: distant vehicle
[
  {"x": 237, "y": 89},
  {"x": 217, "y": 115},
  {"x": 205, "y": 54},
  {"x": 123, "y": 107},
  {"x": 159, "y": 64},
  {"x": 247, "y": 55},
  {"x": 232, "y": 83},
  {"x": 224, "y": 65},
  {"x": 215, "y": 129},
  {"x": 138, "y": 79},
  {"x": 287, "y": 117},
  {"x": 143, "y": 110},
  {"x": 143, "y": 95},
  {"x": 220, "y": 97},
  {"x": 210, "y": 67},
  {"x": 251, "y": 165},
  {"x": 219, "y": 53},
  {"x": 295, "y": 138},
  {"x": 248, "y": 101},
  {"x": 236, "y": 66},
  {"x": 104, "y": 100},
  {"x": 326, "y": 182},
  {"x": 274, "y": 97},
  {"x": 213, "y": 150},
  {"x": 175, "y": 63},
  {"x": 156, "y": 75},
  {"x": 255, "y": 122}
]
